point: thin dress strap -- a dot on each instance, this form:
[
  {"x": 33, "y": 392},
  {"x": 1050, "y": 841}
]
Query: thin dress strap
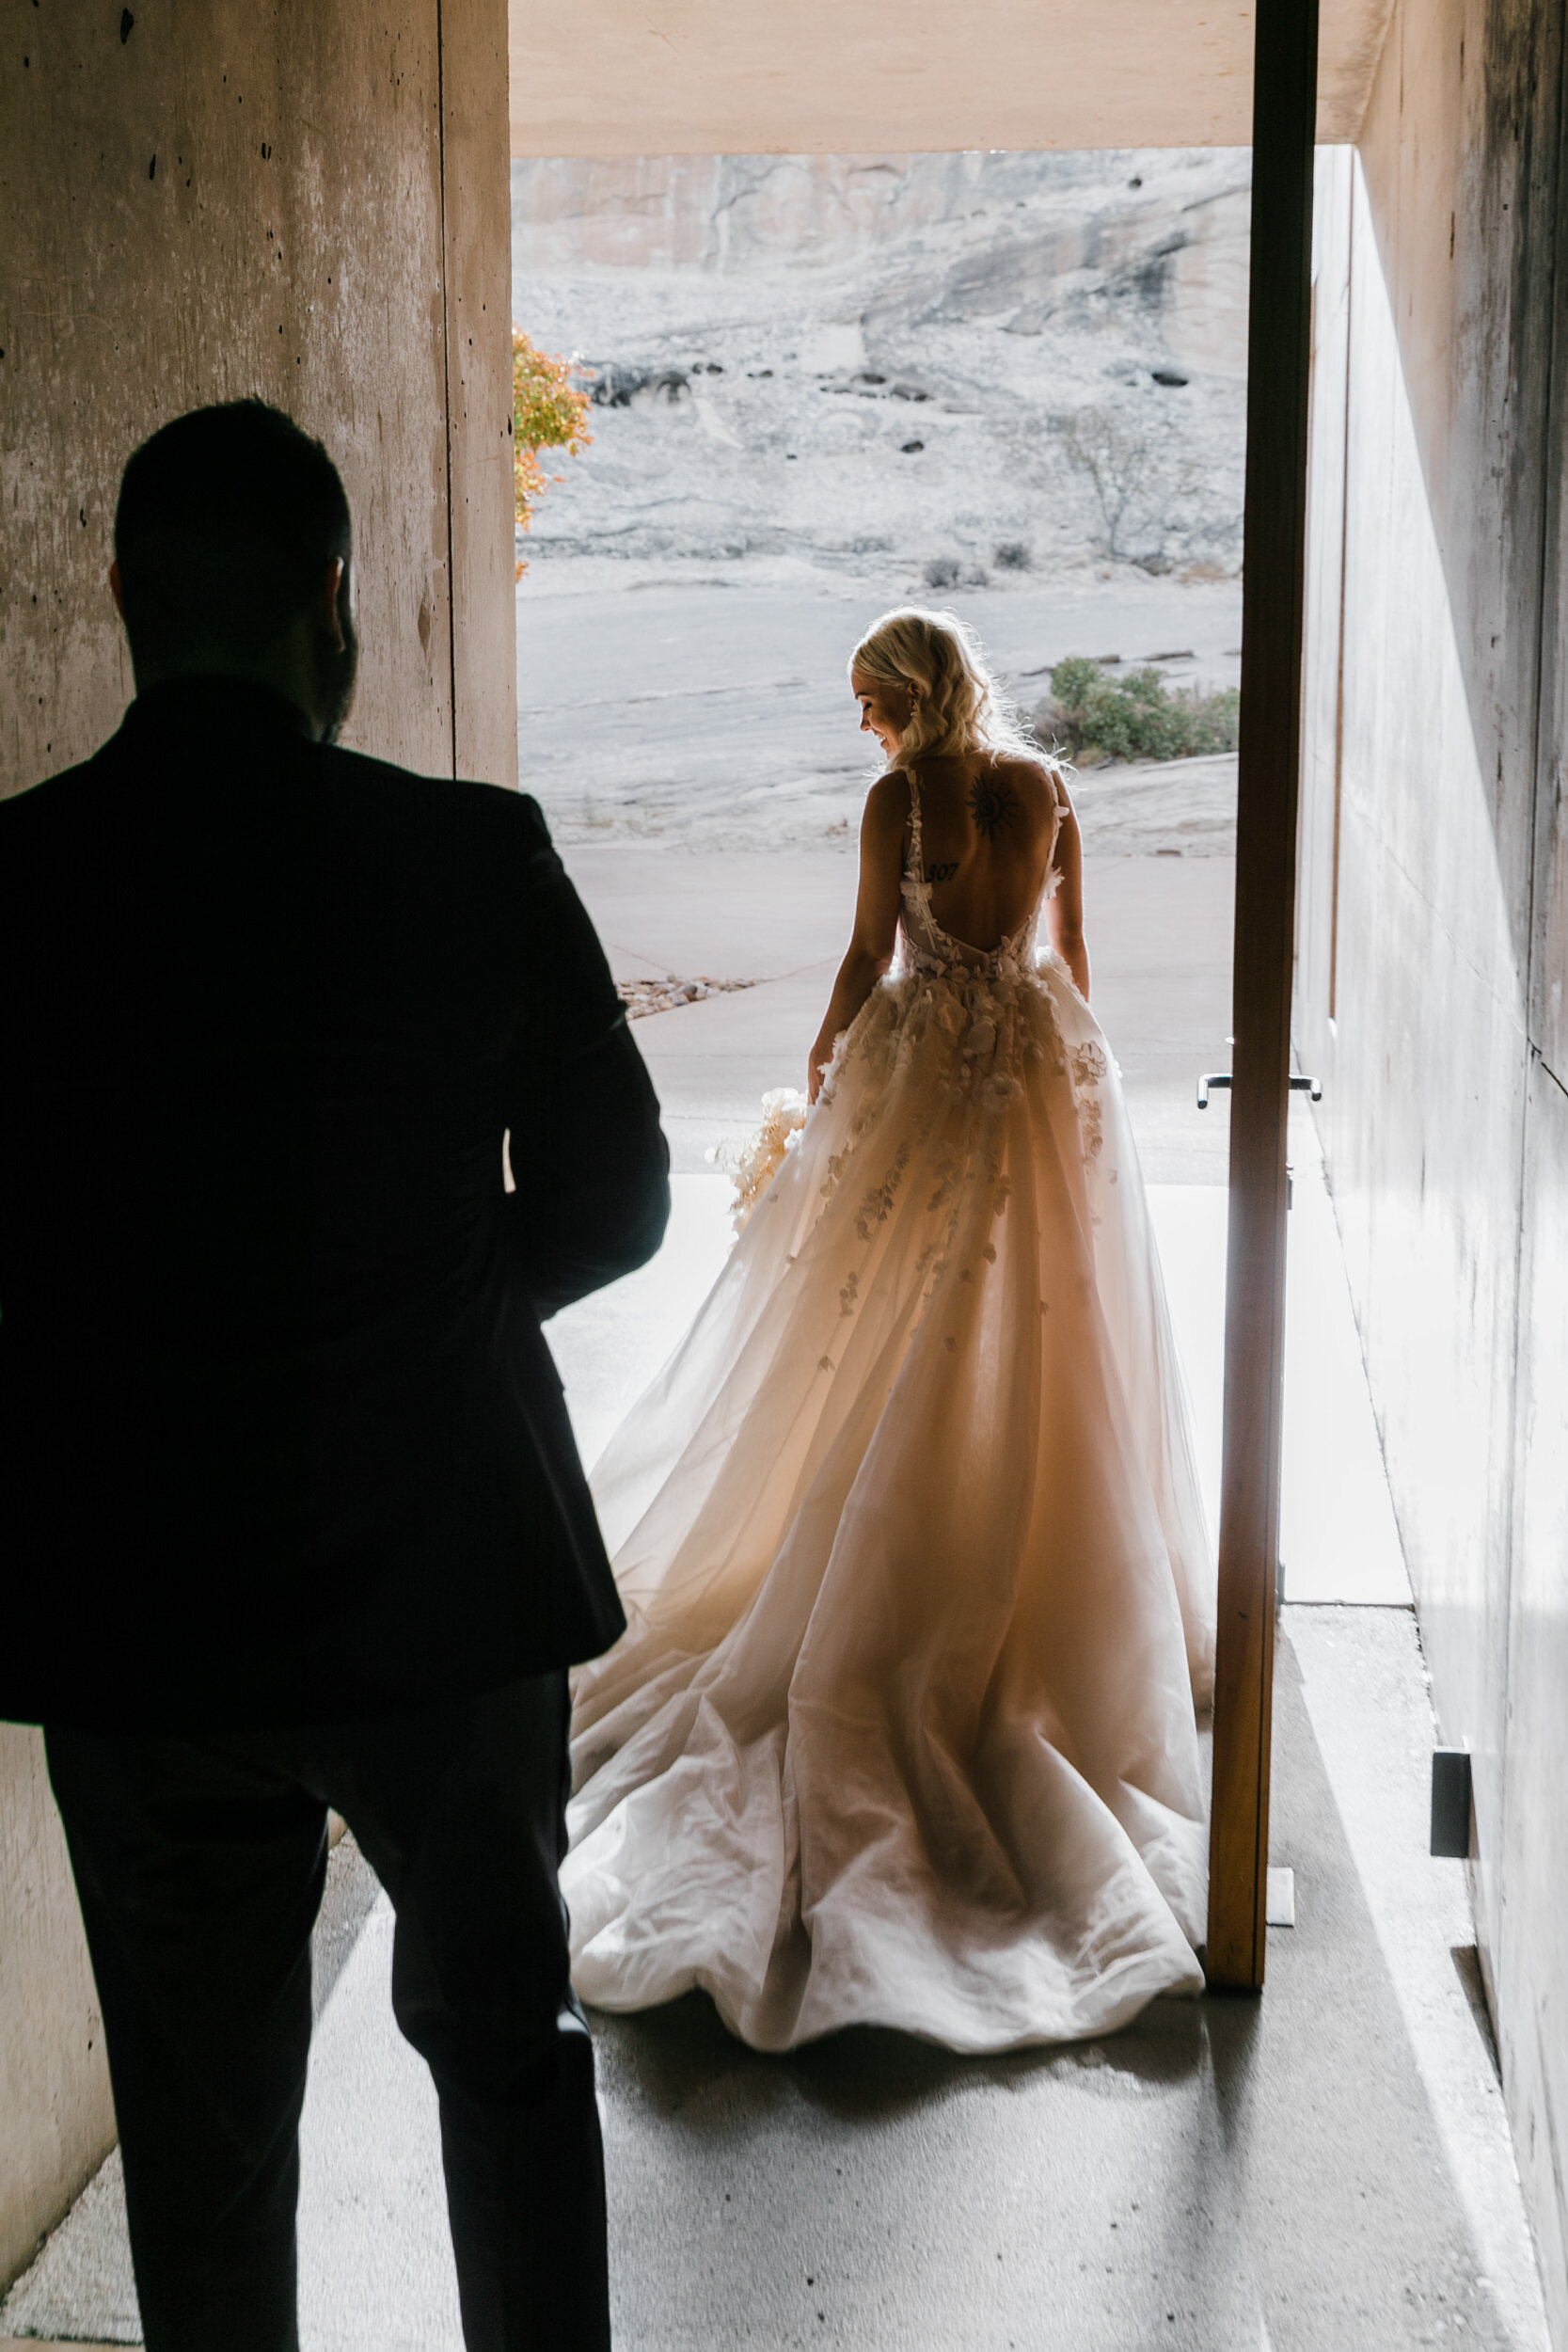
[{"x": 1058, "y": 794}]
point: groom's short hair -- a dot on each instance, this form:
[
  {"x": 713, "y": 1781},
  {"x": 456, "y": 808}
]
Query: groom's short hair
[{"x": 227, "y": 519}]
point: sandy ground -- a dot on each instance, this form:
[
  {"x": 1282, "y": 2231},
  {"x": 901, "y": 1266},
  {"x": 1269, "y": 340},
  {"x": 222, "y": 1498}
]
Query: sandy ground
[
  {"x": 712, "y": 709},
  {"x": 1159, "y": 934}
]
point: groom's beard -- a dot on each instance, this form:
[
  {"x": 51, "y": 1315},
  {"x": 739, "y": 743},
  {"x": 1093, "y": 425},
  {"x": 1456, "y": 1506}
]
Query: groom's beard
[{"x": 337, "y": 667}]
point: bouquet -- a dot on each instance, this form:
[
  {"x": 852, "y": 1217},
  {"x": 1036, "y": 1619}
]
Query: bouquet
[{"x": 752, "y": 1166}]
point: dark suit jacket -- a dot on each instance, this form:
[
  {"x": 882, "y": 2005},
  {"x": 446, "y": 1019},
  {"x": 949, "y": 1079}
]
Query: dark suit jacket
[{"x": 280, "y": 1438}]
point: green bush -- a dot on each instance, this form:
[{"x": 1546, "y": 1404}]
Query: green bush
[{"x": 1135, "y": 717}]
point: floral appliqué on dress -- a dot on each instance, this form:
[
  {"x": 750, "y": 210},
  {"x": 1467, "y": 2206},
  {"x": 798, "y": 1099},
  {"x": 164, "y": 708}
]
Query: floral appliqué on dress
[{"x": 1088, "y": 1071}]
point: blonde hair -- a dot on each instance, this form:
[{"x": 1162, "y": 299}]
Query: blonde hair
[{"x": 936, "y": 657}]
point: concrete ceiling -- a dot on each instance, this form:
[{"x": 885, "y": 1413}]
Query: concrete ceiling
[{"x": 731, "y": 77}]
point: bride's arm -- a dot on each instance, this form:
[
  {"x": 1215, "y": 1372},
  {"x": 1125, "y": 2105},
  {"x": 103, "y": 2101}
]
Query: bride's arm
[
  {"x": 887, "y": 813},
  {"x": 1064, "y": 909}
]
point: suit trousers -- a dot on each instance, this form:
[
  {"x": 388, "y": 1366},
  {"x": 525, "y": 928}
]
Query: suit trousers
[{"x": 199, "y": 1861}]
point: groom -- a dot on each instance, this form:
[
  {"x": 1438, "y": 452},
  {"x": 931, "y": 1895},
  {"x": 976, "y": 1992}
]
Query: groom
[{"x": 290, "y": 1515}]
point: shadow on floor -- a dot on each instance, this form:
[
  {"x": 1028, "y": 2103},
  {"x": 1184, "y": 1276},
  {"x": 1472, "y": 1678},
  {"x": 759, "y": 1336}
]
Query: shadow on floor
[
  {"x": 1225, "y": 2175},
  {"x": 669, "y": 2057}
]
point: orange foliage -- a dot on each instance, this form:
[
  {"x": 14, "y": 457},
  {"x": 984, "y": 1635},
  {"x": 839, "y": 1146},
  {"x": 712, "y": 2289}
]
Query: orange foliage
[{"x": 549, "y": 411}]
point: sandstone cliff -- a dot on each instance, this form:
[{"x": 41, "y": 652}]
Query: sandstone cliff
[{"x": 892, "y": 361}]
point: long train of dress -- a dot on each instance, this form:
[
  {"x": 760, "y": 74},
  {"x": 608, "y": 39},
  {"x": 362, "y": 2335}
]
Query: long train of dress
[{"x": 902, "y": 1730}]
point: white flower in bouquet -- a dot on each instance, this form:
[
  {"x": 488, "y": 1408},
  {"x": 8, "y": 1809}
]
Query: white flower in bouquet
[{"x": 751, "y": 1165}]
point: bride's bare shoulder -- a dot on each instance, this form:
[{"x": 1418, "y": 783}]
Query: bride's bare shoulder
[
  {"x": 888, "y": 800},
  {"x": 1040, "y": 779},
  {"x": 1009, "y": 784}
]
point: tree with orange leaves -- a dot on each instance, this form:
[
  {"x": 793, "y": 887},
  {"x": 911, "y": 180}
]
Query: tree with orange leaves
[{"x": 549, "y": 411}]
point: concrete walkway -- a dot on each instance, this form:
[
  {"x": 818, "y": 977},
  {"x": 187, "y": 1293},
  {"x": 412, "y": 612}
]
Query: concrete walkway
[
  {"x": 1159, "y": 931},
  {"x": 1327, "y": 2169},
  {"x": 1324, "y": 2171}
]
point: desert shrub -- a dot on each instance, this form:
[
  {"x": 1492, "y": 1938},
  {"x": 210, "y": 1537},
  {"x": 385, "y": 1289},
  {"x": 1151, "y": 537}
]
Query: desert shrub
[
  {"x": 942, "y": 571},
  {"x": 549, "y": 411},
  {"x": 1135, "y": 717},
  {"x": 1013, "y": 555}
]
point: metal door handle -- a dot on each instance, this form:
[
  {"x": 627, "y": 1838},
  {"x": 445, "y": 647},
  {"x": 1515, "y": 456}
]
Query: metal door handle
[{"x": 1314, "y": 1087}]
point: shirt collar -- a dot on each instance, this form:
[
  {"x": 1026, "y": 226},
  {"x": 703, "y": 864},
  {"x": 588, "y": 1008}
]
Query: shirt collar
[{"x": 216, "y": 704}]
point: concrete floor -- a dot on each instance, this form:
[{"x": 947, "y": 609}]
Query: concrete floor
[
  {"x": 1227, "y": 2174},
  {"x": 1159, "y": 931},
  {"x": 1326, "y": 2169}
]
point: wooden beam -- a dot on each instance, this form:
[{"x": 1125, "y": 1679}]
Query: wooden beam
[{"x": 1273, "y": 556}]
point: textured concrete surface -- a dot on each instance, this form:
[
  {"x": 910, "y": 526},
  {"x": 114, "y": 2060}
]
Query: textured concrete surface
[
  {"x": 1227, "y": 2174},
  {"x": 687, "y": 78},
  {"x": 1432, "y": 938},
  {"x": 231, "y": 204},
  {"x": 1326, "y": 2169},
  {"x": 56, "y": 2117}
]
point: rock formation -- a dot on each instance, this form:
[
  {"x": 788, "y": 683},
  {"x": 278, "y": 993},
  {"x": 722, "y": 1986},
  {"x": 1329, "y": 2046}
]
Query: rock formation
[{"x": 896, "y": 361}]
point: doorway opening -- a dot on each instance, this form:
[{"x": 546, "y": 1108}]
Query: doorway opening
[{"x": 1009, "y": 384}]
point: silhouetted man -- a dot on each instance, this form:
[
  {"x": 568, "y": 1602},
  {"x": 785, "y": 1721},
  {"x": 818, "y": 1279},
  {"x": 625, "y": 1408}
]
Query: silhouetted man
[{"x": 290, "y": 1509}]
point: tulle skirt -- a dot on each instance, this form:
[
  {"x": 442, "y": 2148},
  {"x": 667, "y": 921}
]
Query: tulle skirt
[{"x": 902, "y": 1731}]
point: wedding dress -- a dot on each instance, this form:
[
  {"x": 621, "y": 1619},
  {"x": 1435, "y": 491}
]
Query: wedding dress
[{"x": 920, "y": 1594}]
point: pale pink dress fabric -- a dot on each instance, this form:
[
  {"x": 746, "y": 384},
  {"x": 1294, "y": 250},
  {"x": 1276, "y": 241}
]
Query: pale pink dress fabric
[{"x": 902, "y": 1731}]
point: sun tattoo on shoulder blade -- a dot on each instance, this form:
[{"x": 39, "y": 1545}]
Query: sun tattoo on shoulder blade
[{"x": 993, "y": 805}]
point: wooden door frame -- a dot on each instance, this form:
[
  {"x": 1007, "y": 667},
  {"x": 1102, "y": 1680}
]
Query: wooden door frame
[{"x": 1285, "y": 73}]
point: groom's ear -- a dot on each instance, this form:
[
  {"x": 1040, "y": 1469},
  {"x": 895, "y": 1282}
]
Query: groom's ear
[
  {"x": 114, "y": 590},
  {"x": 324, "y": 613}
]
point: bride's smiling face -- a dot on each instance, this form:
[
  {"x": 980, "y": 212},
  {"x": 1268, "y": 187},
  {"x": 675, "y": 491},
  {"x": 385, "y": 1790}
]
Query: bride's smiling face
[{"x": 884, "y": 709}]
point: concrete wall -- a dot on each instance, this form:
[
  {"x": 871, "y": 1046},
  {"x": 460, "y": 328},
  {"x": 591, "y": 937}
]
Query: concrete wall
[
  {"x": 56, "y": 2119},
  {"x": 241, "y": 197},
  {"x": 1432, "y": 938},
  {"x": 704, "y": 77},
  {"x": 201, "y": 198}
]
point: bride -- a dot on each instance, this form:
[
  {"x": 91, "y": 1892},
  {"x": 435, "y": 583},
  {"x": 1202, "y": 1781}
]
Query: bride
[{"x": 902, "y": 1730}]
